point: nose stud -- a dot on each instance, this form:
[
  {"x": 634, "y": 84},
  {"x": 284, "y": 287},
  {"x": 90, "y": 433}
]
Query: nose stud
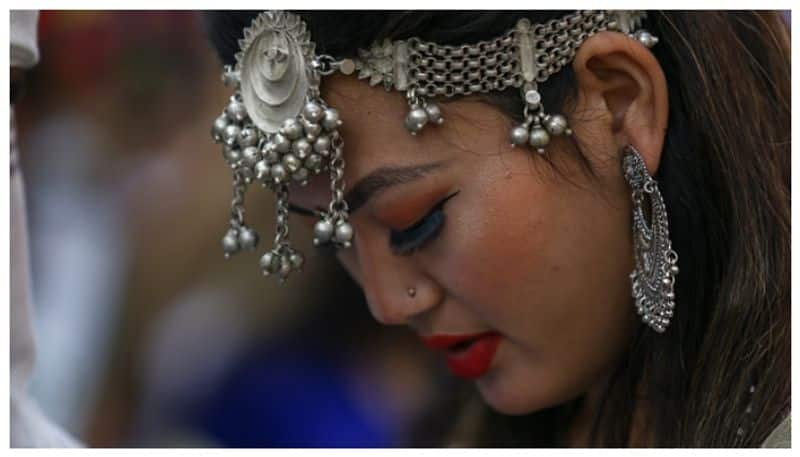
[{"x": 411, "y": 292}]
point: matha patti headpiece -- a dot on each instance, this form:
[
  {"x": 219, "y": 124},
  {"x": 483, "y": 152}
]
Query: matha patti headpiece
[{"x": 277, "y": 129}]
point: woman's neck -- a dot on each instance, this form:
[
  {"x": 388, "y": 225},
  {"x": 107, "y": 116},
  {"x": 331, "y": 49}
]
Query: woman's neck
[{"x": 578, "y": 430}]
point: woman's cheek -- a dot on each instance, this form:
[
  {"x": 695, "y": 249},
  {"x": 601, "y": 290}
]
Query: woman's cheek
[{"x": 494, "y": 261}]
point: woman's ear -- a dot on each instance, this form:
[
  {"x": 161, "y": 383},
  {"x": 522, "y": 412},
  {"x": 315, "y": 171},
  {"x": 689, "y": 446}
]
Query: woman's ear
[{"x": 622, "y": 87}]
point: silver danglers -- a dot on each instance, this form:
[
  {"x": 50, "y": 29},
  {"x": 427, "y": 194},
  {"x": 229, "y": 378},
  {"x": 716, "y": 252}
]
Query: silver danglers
[
  {"x": 282, "y": 259},
  {"x": 333, "y": 227},
  {"x": 421, "y": 112},
  {"x": 231, "y": 130},
  {"x": 538, "y": 127},
  {"x": 239, "y": 236},
  {"x": 302, "y": 147},
  {"x": 522, "y": 57},
  {"x": 277, "y": 130},
  {"x": 653, "y": 276}
]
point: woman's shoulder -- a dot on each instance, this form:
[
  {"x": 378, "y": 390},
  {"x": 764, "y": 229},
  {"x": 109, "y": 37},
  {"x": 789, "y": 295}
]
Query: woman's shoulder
[{"x": 781, "y": 436}]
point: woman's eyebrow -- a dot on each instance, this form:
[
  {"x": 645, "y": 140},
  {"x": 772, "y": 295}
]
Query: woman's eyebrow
[
  {"x": 385, "y": 177},
  {"x": 379, "y": 180}
]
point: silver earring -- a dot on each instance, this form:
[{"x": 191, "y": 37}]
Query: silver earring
[
  {"x": 412, "y": 292},
  {"x": 653, "y": 276}
]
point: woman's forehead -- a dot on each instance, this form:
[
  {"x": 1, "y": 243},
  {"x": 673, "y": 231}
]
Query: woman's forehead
[
  {"x": 367, "y": 112},
  {"x": 375, "y": 135}
]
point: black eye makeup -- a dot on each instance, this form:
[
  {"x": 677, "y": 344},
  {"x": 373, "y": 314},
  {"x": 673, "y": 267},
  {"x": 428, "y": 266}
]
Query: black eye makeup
[
  {"x": 405, "y": 241},
  {"x": 408, "y": 240},
  {"x": 303, "y": 211}
]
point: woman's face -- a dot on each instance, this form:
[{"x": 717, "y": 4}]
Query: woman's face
[{"x": 538, "y": 257}]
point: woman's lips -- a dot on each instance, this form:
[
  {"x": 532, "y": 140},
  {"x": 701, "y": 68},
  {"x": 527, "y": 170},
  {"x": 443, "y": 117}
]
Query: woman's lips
[{"x": 468, "y": 356}]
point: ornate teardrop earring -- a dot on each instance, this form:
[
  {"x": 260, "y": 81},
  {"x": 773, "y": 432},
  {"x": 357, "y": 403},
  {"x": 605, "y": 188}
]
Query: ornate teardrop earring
[{"x": 653, "y": 276}]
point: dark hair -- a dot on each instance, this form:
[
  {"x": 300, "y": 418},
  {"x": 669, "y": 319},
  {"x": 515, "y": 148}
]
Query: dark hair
[{"x": 724, "y": 175}]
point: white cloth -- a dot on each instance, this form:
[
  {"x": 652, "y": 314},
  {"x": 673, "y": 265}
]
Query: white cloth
[
  {"x": 781, "y": 436},
  {"x": 29, "y": 427},
  {"x": 24, "y": 51}
]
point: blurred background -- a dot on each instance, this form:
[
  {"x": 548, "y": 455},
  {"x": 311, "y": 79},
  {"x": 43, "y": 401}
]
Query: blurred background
[{"x": 146, "y": 335}]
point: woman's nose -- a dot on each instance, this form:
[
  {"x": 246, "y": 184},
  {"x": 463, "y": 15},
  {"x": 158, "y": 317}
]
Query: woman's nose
[{"x": 397, "y": 288}]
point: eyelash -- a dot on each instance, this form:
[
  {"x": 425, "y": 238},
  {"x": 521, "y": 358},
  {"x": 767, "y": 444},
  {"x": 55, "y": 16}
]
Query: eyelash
[{"x": 406, "y": 241}]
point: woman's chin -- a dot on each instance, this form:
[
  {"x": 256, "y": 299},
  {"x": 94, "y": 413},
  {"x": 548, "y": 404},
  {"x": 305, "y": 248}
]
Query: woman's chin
[{"x": 507, "y": 397}]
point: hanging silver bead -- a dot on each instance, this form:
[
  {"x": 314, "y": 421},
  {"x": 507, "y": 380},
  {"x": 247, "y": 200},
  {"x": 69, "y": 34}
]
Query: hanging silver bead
[
  {"x": 265, "y": 261},
  {"x": 322, "y": 144},
  {"x": 292, "y": 129},
  {"x": 323, "y": 231},
  {"x": 344, "y": 232},
  {"x": 313, "y": 162},
  {"x": 269, "y": 263},
  {"x": 236, "y": 111},
  {"x": 231, "y": 155},
  {"x": 301, "y": 148},
  {"x": 556, "y": 124},
  {"x": 230, "y": 134},
  {"x": 297, "y": 260},
  {"x": 278, "y": 172},
  {"x": 539, "y": 138},
  {"x": 281, "y": 143},
  {"x": 270, "y": 154},
  {"x": 247, "y": 137},
  {"x": 291, "y": 163},
  {"x": 416, "y": 120},
  {"x": 248, "y": 238},
  {"x": 301, "y": 176},
  {"x": 519, "y": 135},
  {"x": 313, "y": 112},
  {"x": 251, "y": 156},
  {"x": 218, "y": 127},
  {"x": 312, "y": 130},
  {"x": 434, "y": 113},
  {"x": 262, "y": 169},
  {"x": 331, "y": 120},
  {"x": 230, "y": 243},
  {"x": 246, "y": 173}
]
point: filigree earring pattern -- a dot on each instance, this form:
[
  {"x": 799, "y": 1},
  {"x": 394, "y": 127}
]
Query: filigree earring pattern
[{"x": 655, "y": 269}]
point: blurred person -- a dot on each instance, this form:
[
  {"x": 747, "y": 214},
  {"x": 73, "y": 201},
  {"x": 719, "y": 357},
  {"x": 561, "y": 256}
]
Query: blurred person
[
  {"x": 78, "y": 257},
  {"x": 144, "y": 167},
  {"x": 105, "y": 127},
  {"x": 29, "y": 426},
  {"x": 78, "y": 225},
  {"x": 125, "y": 305},
  {"x": 546, "y": 273}
]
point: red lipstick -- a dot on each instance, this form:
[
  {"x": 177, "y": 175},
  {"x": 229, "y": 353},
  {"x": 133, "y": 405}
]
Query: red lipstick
[{"x": 468, "y": 356}]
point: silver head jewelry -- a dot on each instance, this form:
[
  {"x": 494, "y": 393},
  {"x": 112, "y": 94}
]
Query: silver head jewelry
[{"x": 277, "y": 129}]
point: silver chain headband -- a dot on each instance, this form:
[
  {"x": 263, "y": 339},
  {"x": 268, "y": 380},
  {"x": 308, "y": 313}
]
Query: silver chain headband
[{"x": 277, "y": 129}]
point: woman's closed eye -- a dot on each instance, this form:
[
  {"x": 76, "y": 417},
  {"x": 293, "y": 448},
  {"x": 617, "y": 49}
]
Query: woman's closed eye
[{"x": 406, "y": 241}]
